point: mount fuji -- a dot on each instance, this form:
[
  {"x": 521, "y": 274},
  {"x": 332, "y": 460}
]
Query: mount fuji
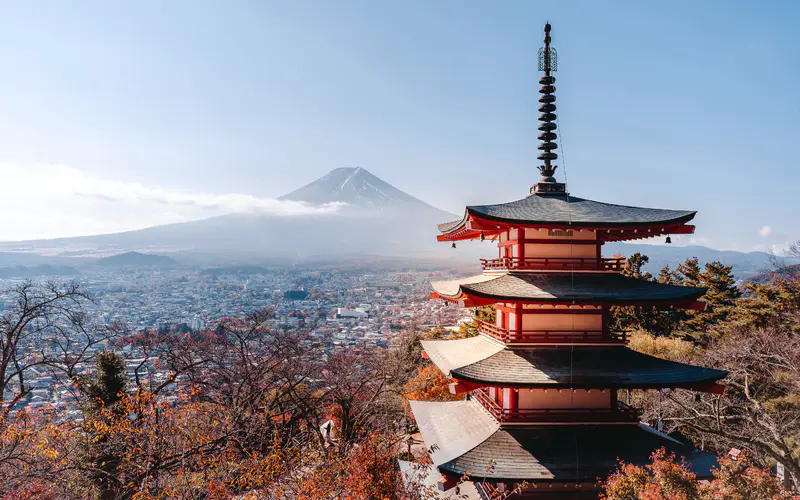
[
  {"x": 372, "y": 217},
  {"x": 357, "y": 188}
]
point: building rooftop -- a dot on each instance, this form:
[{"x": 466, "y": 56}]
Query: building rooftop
[
  {"x": 545, "y": 453},
  {"x": 482, "y": 361},
  {"x": 549, "y": 210},
  {"x": 566, "y": 287}
]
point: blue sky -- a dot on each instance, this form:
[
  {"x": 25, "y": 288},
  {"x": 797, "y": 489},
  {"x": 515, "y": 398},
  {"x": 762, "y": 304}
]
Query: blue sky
[{"x": 117, "y": 115}]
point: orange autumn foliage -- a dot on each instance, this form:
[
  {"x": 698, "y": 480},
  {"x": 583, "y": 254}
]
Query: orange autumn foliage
[
  {"x": 667, "y": 478},
  {"x": 429, "y": 384}
]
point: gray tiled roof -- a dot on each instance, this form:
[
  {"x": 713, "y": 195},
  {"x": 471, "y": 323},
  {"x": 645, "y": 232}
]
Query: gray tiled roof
[
  {"x": 582, "y": 367},
  {"x": 571, "y": 210},
  {"x": 453, "y": 428},
  {"x": 569, "y": 453},
  {"x": 450, "y": 354},
  {"x": 579, "y": 287}
]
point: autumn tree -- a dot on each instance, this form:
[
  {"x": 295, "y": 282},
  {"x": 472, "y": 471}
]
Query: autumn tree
[
  {"x": 45, "y": 327},
  {"x": 760, "y": 407},
  {"x": 429, "y": 384},
  {"x": 668, "y": 478}
]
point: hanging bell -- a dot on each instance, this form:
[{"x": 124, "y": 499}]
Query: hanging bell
[
  {"x": 669, "y": 240},
  {"x": 483, "y": 236},
  {"x": 454, "y": 244}
]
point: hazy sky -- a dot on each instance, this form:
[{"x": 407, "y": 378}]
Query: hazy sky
[{"x": 119, "y": 115}]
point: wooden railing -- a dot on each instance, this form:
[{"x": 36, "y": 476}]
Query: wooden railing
[
  {"x": 551, "y": 336},
  {"x": 554, "y": 264},
  {"x": 622, "y": 413}
]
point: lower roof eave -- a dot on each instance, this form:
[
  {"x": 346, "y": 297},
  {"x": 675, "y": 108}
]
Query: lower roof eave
[
  {"x": 539, "y": 455},
  {"x": 707, "y": 385}
]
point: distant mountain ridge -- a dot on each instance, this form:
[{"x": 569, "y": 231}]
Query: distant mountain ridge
[
  {"x": 745, "y": 264},
  {"x": 137, "y": 259}
]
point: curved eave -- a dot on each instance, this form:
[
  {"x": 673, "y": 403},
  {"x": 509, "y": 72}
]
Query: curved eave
[
  {"x": 585, "y": 368},
  {"x": 472, "y": 212},
  {"x": 569, "y": 454},
  {"x": 701, "y": 384},
  {"x": 474, "y": 225},
  {"x": 464, "y": 439},
  {"x": 577, "y": 288}
]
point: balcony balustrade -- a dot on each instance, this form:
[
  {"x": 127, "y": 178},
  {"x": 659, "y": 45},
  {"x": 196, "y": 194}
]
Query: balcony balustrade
[
  {"x": 553, "y": 264},
  {"x": 551, "y": 336},
  {"x": 622, "y": 413}
]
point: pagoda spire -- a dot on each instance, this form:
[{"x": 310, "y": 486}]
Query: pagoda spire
[{"x": 548, "y": 63}]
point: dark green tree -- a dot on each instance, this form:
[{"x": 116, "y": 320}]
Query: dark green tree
[
  {"x": 103, "y": 389},
  {"x": 634, "y": 267},
  {"x": 720, "y": 296},
  {"x": 691, "y": 272},
  {"x": 109, "y": 380},
  {"x": 766, "y": 304},
  {"x": 669, "y": 277},
  {"x": 650, "y": 319}
]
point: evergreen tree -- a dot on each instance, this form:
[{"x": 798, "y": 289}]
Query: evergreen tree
[
  {"x": 105, "y": 387},
  {"x": 721, "y": 293},
  {"x": 766, "y": 304},
  {"x": 109, "y": 380},
  {"x": 629, "y": 318},
  {"x": 634, "y": 267},
  {"x": 669, "y": 277},
  {"x": 654, "y": 320},
  {"x": 487, "y": 314},
  {"x": 691, "y": 273}
]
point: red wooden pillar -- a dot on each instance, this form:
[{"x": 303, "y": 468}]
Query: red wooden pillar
[{"x": 514, "y": 406}]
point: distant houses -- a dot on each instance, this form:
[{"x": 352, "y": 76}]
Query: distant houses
[{"x": 358, "y": 312}]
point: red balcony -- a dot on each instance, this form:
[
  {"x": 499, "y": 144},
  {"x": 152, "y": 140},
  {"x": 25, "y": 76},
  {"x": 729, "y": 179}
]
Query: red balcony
[
  {"x": 553, "y": 264},
  {"x": 621, "y": 414},
  {"x": 551, "y": 336}
]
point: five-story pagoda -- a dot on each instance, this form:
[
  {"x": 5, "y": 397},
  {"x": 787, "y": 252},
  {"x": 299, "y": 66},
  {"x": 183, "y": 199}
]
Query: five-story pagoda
[{"x": 543, "y": 379}]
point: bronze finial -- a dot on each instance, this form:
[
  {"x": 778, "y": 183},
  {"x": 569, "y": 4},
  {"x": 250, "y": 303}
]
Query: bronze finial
[{"x": 548, "y": 63}]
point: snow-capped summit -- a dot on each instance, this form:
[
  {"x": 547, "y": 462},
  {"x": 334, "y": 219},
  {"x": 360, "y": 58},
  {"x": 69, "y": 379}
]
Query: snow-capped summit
[{"x": 354, "y": 186}]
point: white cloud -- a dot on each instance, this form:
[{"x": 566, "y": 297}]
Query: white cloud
[
  {"x": 765, "y": 231},
  {"x": 50, "y": 201}
]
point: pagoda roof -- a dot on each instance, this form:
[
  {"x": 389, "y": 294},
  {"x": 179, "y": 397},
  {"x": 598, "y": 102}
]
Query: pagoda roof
[
  {"x": 481, "y": 360},
  {"x": 449, "y": 355},
  {"x": 455, "y": 427},
  {"x": 548, "y": 210},
  {"x": 557, "y": 453},
  {"x": 566, "y": 287},
  {"x": 571, "y": 210}
]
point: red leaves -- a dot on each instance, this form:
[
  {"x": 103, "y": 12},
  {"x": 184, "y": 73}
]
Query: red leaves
[{"x": 666, "y": 478}]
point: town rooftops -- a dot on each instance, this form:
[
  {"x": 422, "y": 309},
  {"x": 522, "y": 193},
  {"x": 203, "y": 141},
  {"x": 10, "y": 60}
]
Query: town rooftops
[
  {"x": 467, "y": 444},
  {"x": 480, "y": 360},
  {"x": 566, "y": 287},
  {"x": 546, "y": 210}
]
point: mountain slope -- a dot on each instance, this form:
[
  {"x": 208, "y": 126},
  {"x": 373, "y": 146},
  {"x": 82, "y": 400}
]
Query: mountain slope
[
  {"x": 376, "y": 218},
  {"x": 354, "y": 186},
  {"x": 137, "y": 259}
]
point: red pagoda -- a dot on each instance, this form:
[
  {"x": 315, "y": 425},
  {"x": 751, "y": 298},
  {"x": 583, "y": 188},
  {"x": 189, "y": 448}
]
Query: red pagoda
[{"x": 542, "y": 381}]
